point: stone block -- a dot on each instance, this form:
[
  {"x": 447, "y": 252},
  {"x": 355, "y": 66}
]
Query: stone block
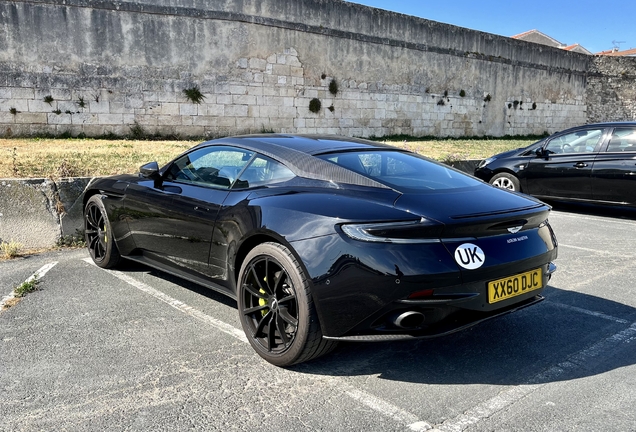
[
  {"x": 59, "y": 119},
  {"x": 31, "y": 118},
  {"x": 84, "y": 118},
  {"x": 186, "y": 109},
  {"x": 108, "y": 119},
  {"x": 36, "y": 106},
  {"x": 236, "y": 110}
]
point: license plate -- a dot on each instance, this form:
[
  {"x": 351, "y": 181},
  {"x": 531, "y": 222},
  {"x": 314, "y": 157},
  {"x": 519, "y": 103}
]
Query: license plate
[{"x": 503, "y": 289}]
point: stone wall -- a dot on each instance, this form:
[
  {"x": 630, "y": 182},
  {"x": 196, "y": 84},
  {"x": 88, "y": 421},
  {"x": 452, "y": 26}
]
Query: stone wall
[
  {"x": 611, "y": 89},
  {"x": 91, "y": 68}
]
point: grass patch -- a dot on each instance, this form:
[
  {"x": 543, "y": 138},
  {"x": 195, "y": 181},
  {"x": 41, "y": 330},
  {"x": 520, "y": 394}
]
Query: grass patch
[
  {"x": 75, "y": 157},
  {"x": 72, "y": 241},
  {"x": 26, "y": 287},
  {"x": 10, "y": 249}
]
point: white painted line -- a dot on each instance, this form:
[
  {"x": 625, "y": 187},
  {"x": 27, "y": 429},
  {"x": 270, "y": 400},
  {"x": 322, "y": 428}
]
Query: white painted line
[
  {"x": 218, "y": 324},
  {"x": 606, "y": 219},
  {"x": 588, "y": 312},
  {"x": 602, "y": 252},
  {"x": 37, "y": 275},
  {"x": 506, "y": 398},
  {"x": 388, "y": 410},
  {"x": 381, "y": 406}
]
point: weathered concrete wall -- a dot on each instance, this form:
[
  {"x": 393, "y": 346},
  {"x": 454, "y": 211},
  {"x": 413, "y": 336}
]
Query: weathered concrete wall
[
  {"x": 93, "y": 68},
  {"x": 611, "y": 89},
  {"x": 38, "y": 212},
  {"x": 28, "y": 212}
]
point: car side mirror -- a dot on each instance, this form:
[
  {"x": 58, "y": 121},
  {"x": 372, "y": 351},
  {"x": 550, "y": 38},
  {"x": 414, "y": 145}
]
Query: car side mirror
[
  {"x": 541, "y": 152},
  {"x": 150, "y": 170}
]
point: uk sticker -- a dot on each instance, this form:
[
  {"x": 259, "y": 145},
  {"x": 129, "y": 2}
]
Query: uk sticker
[{"x": 469, "y": 256}]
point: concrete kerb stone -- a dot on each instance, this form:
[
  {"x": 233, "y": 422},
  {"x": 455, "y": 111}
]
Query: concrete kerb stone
[{"x": 38, "y": 212}]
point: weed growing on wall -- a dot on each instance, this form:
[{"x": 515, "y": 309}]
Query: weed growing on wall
[
  {"x": 333, "y": 87},
  {"x": 194, "y": 95},
  {"x": 49, "y": 99},
  {"x": 13, "y": 111},
  {"x": 81, "y": 103},
  {"x": 315, "y": 105}
]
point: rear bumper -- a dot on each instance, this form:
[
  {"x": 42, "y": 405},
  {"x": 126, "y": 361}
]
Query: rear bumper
[{"x": 459, "y": 323}]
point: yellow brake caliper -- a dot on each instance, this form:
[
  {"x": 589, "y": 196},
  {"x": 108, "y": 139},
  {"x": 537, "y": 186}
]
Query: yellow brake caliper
[{"x": 262, "y": 302}]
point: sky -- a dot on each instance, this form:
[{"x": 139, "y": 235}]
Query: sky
[{"x": 597, "y": 25}]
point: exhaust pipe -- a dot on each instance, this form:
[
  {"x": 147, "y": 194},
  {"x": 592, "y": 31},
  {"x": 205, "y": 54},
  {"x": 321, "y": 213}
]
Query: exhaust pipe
[{"x": 408, "y": 320}]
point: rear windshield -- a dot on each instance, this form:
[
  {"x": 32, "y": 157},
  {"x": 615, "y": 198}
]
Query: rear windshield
[{"x": 401, "y": 171}]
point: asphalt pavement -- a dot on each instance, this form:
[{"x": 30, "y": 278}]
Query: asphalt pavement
[{"x": 136, "y": 349}]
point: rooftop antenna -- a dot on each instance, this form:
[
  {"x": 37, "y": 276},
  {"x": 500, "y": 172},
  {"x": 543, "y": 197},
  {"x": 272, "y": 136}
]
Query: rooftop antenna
[{"x": 617, "y": 44}]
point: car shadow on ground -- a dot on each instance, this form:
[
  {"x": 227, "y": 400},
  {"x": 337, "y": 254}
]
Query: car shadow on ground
[
  {"x": 505, "y": 351},
  {"x": 134, "y": 267}
]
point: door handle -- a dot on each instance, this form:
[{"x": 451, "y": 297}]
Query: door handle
[
  {"x": 580, "y": 165},
  {"x": 197, "y": 208}
]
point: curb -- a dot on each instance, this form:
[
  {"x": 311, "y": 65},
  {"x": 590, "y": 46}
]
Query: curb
[{"x": 39, "y": 212}]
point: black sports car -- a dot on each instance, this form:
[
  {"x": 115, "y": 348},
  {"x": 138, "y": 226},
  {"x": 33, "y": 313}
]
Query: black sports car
[
  {"x": 594, "y": 163},
  {"x": 321, "y": 239}
]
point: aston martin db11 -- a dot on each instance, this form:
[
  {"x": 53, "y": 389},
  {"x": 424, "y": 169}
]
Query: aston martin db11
[{"x": 323, "y": 239}]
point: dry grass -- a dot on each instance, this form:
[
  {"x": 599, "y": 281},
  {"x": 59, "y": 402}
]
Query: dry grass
[
  {"x": 11, "y": 302},
  {"x": 43, "y": 158},
  {"x": 462, "y": 149},
  {"x": 10, "y": 249}
]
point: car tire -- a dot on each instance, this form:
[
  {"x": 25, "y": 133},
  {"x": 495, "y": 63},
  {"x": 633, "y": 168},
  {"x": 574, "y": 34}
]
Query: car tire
[
  {"x": 276, "y": 308},
  {"x": 97, "y": 233},
  {"x": 506, "y": 181}
]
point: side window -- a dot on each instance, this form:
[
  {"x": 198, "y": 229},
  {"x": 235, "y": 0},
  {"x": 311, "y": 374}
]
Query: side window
[
  {"x": 209, "y": 166},
  {"x": 623, "y": 140},
  {"x": 263, "y": 171},
  {"x": 584, "y": 141}
]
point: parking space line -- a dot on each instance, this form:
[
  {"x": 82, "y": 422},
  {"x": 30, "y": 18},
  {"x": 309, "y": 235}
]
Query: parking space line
[
  {"x": 588, "y": 312},
  {"x": 506, "y": 398},
  {"x": 379, "y": 405},
  {"x": 189, "y": 310},
  {"x": 606, "y": 219},
  {"x": 389, "y": 410},
  {"x": 602, "y": 252},
  {"x": 37, "y": 275}
]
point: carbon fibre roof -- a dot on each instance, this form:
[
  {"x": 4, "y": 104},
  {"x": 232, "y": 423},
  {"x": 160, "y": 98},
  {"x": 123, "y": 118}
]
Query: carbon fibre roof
[{"x": 298, "y": 153}]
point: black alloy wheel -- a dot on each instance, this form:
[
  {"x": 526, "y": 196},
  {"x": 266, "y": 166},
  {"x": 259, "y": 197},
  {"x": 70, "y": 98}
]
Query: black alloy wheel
[
  {"x": 275, "y": 307},
  {"x": 97, "y": 233}
]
